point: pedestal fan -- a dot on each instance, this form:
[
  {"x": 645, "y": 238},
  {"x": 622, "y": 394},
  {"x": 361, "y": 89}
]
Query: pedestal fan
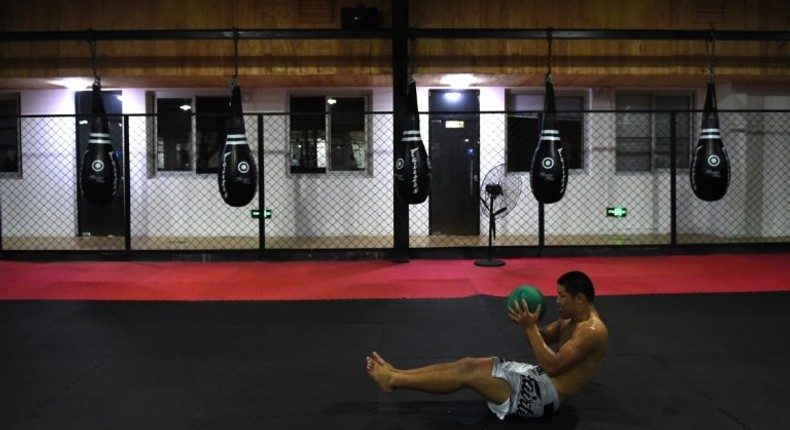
[{"x": 499, "y": 194}]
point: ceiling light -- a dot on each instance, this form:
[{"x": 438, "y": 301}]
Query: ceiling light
[
  {"x": 73, "y": 84},
  {"x": 459, "y": 80},
  {"x": 452, "y": 96}
]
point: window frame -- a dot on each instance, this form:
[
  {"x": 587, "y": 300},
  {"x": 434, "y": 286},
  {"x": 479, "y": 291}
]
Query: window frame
[
  {"x": 222, "y": 118},
  {"x": 193, "y": 95},
  {"x": 329, "y": 170},
  {"x": 654, "y": 138},
  {"x": 191, "y": 141},
  {"x": 511, "y": 112},
  {"x": 14, "y": 97}
]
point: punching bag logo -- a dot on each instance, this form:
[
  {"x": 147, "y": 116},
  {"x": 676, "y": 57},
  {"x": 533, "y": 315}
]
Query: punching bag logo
[
  {"x": 713, "y": 161},
  {"x": 223, "y": 177},
  {"x": 415, "y": 185},
  {"x": 243, "y": 167},
  {"x": 97, "y": 166},
  {"x": 547, "y": 163}
]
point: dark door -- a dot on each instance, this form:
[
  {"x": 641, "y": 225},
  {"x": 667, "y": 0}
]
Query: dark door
[
  {"x": 455, "y": 162},
  {"x": 100, "y": 220}
]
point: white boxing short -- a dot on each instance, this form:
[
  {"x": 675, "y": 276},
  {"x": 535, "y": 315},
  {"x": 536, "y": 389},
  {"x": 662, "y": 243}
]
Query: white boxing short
[{"x": 534, "y": 395}]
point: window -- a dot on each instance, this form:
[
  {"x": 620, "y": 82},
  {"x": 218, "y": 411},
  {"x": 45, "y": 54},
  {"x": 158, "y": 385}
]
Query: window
[
  {"x": 9, "y": 134},
  {"x": 174, "y": 134},
  {"x": 524, "y": 120},
  {"x": 644, "y": 134},
  {"x": 211, "y": 126},
  {"x": 347, "y": 134},
  {"x": 190, "y": 132},
  {"x": 342, "y": 120}
]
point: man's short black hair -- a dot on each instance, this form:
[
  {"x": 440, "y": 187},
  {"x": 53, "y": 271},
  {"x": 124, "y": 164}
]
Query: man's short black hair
[{"x": 576, "y": 282}]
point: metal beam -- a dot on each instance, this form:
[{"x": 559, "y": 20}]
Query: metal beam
[
  {"x": 424, "y": 33},
  {"x": 249, "y": 34},
  {"x": 493, "y": 33}
]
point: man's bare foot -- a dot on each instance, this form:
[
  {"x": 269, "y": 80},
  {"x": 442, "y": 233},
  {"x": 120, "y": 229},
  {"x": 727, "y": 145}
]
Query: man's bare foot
[
  {"x": 380, "y": 373},
  {"x": 381, "y": 362}
]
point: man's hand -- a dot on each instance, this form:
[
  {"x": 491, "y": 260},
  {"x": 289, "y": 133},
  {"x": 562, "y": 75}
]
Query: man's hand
[{"x": 520, "y": 314}]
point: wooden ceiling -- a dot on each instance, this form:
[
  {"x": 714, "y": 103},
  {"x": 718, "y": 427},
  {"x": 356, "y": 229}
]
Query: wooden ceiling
[
  {"x": 433, "y": 80},
  {"x": 368, "y": 62}
]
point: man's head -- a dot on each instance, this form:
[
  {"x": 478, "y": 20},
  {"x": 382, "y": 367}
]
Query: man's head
[
  {"x": 576, "y": 282},
  {"x": 575, "y": 293},
  {"x": 575, "y": 286}
]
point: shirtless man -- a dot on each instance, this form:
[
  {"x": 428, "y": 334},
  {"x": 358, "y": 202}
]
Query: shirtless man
[{"x": 521, "y": 389}]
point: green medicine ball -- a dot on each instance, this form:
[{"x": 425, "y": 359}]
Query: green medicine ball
[{"x": 533, "y": 297}]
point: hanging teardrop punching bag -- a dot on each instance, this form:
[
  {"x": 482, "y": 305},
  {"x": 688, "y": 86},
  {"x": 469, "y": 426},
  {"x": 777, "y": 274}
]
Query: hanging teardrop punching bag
[
  {"x": 238, "y": 175},
  {"x": 548, "y": 171},
  {"x": 412, "y": 167},
  {"x": 99, "y": 168},
  {"x": 710, "y": 166}
]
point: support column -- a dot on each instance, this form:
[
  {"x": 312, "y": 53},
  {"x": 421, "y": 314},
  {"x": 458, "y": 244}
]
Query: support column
[{"x": 400, "y": 64}]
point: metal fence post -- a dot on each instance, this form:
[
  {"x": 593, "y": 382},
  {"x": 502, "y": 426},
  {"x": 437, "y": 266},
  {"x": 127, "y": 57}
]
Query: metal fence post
[
  {"x": 673, "y": 194},
  {"x": 127, "y": 187},
  {"x": 541, "y": 227},
  {"x": 261, "y": 203}
]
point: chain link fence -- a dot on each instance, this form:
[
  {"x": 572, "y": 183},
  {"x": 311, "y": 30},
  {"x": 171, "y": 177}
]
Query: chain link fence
[
  {"x": 38, "y": 203},
  {"x": 755, "y": 208},
  {"x": 182, "y": 210},
  {"x": 336, "y": 209},
  {"x": 620, "y": 189},
  {"x": 620, "y": 195}
]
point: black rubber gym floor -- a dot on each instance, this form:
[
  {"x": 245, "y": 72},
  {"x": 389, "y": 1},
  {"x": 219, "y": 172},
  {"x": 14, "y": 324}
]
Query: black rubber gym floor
[{"x": 715, "y": 361}]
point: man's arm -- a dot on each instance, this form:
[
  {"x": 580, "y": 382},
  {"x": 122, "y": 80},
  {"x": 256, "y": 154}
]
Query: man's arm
[
  {"x": 551, "y": 332},
  {"x": 583, "y": 343}
]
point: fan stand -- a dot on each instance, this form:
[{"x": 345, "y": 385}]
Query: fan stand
[{"x": 490, "y": 261}]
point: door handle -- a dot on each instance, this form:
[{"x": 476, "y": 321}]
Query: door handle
[
  {"x": 472, "y": 177},
  {"x": 470, "y": 154}
]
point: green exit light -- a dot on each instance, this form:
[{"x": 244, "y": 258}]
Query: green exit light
[
  {"x": 617, "y": 212},
  {"x": 255, "y": 213}
]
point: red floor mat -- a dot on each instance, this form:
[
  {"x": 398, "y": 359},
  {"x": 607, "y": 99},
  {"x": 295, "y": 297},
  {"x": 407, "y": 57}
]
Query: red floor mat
[{"x": 379, "y": 279}]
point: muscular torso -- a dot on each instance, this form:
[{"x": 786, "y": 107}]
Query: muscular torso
[{"x": 572, "y": 381}]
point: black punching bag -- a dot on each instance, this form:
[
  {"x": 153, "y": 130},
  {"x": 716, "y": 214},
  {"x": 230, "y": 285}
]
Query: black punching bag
[
  {"x": 710, "y": 167},
  {"x": 412, "y": 167},
  {"x": 238, "y": 176},
  {"x": 548, "y": 171},
  {"x": 99, "y": 168}
]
